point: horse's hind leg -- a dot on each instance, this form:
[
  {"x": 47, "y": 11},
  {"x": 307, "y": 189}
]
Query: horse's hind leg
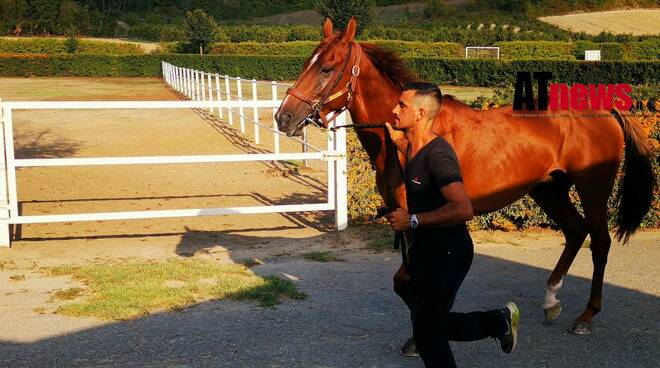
[
  {"x": 594, "y": 189},
  {"x": 554, "y": 200}
]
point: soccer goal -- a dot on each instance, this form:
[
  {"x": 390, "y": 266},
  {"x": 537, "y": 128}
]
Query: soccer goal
[{"x": 482, "y": 52}]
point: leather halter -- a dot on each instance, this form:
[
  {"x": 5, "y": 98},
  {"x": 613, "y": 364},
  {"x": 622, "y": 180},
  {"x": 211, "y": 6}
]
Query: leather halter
[{"x": 315, "y": 117}]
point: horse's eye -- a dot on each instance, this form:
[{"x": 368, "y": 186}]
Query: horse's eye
[{"x": 326, "y": 71}]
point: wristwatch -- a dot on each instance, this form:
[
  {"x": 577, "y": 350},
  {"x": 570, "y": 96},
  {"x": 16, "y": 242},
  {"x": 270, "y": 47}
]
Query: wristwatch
[{"x": 413, "y": 221}]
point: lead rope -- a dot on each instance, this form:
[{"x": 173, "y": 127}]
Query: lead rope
[{"x": 399, "y": 236}]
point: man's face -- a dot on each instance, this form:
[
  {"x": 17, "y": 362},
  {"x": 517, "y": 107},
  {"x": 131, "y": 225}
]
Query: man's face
[{"x": 405, "y": 112}]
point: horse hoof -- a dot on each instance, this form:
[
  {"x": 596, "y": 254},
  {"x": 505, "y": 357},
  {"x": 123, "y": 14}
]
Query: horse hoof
[
  {"x": 552, "y": 313},
  {"x": 581, "y": 328},
  {"x": 409, "y": 349}
]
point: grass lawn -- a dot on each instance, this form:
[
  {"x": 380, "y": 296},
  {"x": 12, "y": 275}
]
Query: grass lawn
[{"x": 129, "y": 290}]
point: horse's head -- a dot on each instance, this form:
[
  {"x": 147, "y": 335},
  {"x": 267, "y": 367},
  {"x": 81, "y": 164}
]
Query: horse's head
[{"x": 326, "y": 84}]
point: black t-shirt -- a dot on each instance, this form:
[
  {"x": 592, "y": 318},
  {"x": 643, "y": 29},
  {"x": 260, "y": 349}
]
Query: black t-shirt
[{"x": 433, "y": 167}]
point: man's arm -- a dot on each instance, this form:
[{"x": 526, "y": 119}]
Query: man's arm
[{"x": 457, "y": 210}]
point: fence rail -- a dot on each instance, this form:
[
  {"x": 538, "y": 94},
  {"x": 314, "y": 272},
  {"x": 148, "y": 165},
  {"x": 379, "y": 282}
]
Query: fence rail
[
  {"x": 334, "y": 155},
  {"x": 202, "y": 86}
]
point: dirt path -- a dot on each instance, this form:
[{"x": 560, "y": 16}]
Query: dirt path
[{"x": 351, "y": 317}]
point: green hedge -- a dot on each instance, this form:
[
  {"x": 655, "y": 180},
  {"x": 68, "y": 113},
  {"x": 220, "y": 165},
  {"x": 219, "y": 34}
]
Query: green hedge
[
  {"x": 515, "y": 50},
  {"x": 297, "y": 48},
  {"x": 422, "y": 49},
  {"x": 471, "y": 72},
  {"x": 305, "y": 48},
  {"x": 643, "y": 50},
  {"x": 537, "y": 50},
  {"x": 488, "y": 72},
  {"x": 58, "y": 46},
  {"x": 262, "y": 67}
]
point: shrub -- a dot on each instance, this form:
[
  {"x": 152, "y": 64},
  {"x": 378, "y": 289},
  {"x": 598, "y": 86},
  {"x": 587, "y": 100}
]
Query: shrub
[
  {"x": 71, "y": 44},
  {"x": 363, "y": 197}
]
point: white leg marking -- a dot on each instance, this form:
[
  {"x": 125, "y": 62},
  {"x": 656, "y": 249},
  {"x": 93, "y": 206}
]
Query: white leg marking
[{"x": 551, "y": 295}]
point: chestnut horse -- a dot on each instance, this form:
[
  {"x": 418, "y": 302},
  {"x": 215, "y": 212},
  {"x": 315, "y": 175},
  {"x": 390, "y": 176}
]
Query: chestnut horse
[{"x": 502, "y": 156}]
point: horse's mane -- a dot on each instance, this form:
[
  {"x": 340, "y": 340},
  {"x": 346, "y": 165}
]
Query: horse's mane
[
  {"x": 387, "y": 61},
  {"x": 390, "y": 64}
]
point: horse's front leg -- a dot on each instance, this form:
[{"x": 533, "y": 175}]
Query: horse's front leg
[{"x": 394, "y": 193}]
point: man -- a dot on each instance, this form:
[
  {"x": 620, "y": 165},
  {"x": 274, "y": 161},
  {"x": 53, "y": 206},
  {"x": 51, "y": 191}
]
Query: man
[{"x": 441, "y": 251}]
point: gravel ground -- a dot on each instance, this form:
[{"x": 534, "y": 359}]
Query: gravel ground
[{"x": 353, "y": 319}]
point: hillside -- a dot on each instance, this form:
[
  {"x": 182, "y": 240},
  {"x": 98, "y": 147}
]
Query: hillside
[{"x": 634, "y": 21}]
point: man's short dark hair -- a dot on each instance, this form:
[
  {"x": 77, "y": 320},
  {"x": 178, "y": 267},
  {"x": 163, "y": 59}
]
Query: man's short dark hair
[{"x": 424, "y": 89}]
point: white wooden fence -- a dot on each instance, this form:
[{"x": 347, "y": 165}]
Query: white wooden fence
[{"x": 184, "y": 80}]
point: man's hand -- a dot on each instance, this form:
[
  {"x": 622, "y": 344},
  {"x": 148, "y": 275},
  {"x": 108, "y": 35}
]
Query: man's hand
[
  {"x": 399, "y": 219},
  {"x": 398, "y": 137}
]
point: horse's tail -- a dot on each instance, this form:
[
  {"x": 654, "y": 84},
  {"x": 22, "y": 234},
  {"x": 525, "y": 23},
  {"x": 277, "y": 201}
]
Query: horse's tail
[{"x": 635, "y": 194}]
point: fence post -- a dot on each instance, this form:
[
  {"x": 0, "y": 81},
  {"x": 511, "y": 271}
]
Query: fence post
[
  {"x": 5, "y": 240},
  {"x": 255, "y": 111},
  {"x": 230, "y": 112},
  {"x": 196, "y": 81},
  {"x": 179, "y": 80},
  {"x": 8, "y": 129},
  {"x": 330, "y": 135},
  {"x": 241, "y": 111},
  {"x": 188, "y": 84},
  {"x": 184, "y": 82},
  {"x": 175, "y": 74},
  {"x": 304, "y": 146},
  {"x": 210, "y": 93},
  {"x": 218, "y": 94},
  {"x": 198, "y": 84},
  {"x": 192, "y": 85},
  {"x": 276, "y": 136},
  {"x": 203, "y": 85},
  {"x": 341, "y": 179}
]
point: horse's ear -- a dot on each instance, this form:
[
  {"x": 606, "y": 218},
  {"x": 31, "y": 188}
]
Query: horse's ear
[
  {"x": 327, "y": 27},
  {"x": 349, "y": 33}
]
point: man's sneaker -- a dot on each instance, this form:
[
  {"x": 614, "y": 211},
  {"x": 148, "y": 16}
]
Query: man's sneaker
[{"x": 509, "y": 340}]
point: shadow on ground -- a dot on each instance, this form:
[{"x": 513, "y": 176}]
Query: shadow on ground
[{"x": 352, "y": 319}]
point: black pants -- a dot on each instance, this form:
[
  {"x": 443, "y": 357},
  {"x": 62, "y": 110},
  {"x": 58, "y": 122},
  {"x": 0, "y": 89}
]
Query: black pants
[{"x": 436, "y": 273}]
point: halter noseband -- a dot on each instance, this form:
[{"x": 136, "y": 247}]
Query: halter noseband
[{"x": 315, "y": 117}]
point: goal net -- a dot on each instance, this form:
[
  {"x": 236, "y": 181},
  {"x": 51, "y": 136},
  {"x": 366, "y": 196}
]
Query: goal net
[{"x": 482, "y": 52}]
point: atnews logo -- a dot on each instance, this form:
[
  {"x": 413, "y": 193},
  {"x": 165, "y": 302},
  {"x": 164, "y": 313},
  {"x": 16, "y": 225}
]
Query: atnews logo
[{"x": 578, "y": 97}]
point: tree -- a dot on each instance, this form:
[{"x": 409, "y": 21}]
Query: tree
[
  {"x": 200, "y": 29},
  {"x": 341, "y": 11},
  {"x": 436, "y": 9},
  {"x": 72, "y": 45}
]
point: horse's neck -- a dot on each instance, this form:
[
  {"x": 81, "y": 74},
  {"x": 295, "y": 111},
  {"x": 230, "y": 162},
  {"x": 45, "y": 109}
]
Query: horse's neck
[
  {"x": 452, "y": 117},
  {"x": 375, "y": 98}
]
